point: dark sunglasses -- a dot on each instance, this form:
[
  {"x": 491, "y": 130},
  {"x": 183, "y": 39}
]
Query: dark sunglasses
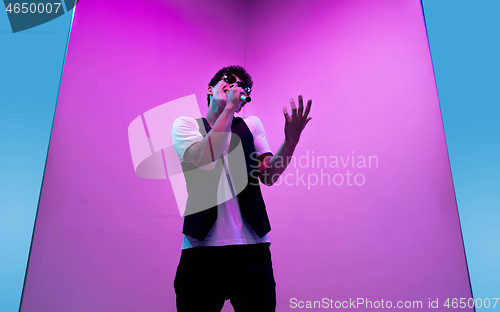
[{"x": 231, "y": 79}]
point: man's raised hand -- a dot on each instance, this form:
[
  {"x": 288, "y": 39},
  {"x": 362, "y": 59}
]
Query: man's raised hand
[{"x": 296, "y": 123}]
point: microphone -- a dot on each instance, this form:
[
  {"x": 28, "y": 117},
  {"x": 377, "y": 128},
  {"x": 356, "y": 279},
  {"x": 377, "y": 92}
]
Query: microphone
[{"x": 245, "y": 98}]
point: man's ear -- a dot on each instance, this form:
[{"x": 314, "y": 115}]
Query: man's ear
[{"x": 210, "y": 90}]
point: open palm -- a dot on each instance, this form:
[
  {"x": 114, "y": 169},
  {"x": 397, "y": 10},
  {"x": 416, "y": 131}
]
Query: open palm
[{"x": 295, "y": 123}]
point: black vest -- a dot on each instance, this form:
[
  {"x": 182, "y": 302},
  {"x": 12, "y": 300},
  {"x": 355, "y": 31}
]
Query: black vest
[{"x": 250, "y": 200}]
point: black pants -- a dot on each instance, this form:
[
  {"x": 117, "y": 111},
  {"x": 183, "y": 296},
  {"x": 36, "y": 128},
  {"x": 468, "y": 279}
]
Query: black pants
[{"x": 207, "y": 276}]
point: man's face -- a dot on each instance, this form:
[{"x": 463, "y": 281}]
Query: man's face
[{"x": 219, "y": 93}]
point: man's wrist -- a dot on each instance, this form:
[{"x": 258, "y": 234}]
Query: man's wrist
[
  {"x": 230, "y": 109},
  {"x": 291, "y": 143}
]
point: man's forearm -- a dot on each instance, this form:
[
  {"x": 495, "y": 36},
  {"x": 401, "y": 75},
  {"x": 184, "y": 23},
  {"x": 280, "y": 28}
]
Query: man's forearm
[
  {"x": 215, "y": 140},
  {"x": 279, "y": 162}
]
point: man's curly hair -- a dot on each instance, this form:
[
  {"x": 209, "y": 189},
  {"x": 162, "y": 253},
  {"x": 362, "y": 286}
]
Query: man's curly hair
[{"x": 236, "y": 70}]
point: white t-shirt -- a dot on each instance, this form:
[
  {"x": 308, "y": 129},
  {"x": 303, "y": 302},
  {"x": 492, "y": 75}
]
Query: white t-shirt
[{"x": 229, "y": 228}]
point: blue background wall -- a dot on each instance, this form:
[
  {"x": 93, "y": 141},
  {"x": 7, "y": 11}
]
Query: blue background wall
[
  {"x": 30, "y": 73},
  {"x": 463, "y": 37}
]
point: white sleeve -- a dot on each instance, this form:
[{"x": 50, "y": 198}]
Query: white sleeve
[
  {"x": 185, "y": 132},
  {"x": 259, "y": 135}
]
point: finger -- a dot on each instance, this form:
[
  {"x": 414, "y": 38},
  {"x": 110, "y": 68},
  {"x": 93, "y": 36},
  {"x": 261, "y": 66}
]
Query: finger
[
  {"x": 294, "y": 109},
  {"x": 301, "y": 106},
  {"x": 285, "y": 112},
  {"x": 308, "y": 108},
  {"x": 239, "y": 91}
]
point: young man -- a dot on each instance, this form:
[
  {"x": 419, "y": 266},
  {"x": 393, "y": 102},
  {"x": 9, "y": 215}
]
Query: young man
[{"x": 225, "y": 252}]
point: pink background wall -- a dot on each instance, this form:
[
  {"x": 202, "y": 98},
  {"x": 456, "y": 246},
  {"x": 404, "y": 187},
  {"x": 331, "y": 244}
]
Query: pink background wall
[{"x": 106, "y": 240}]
